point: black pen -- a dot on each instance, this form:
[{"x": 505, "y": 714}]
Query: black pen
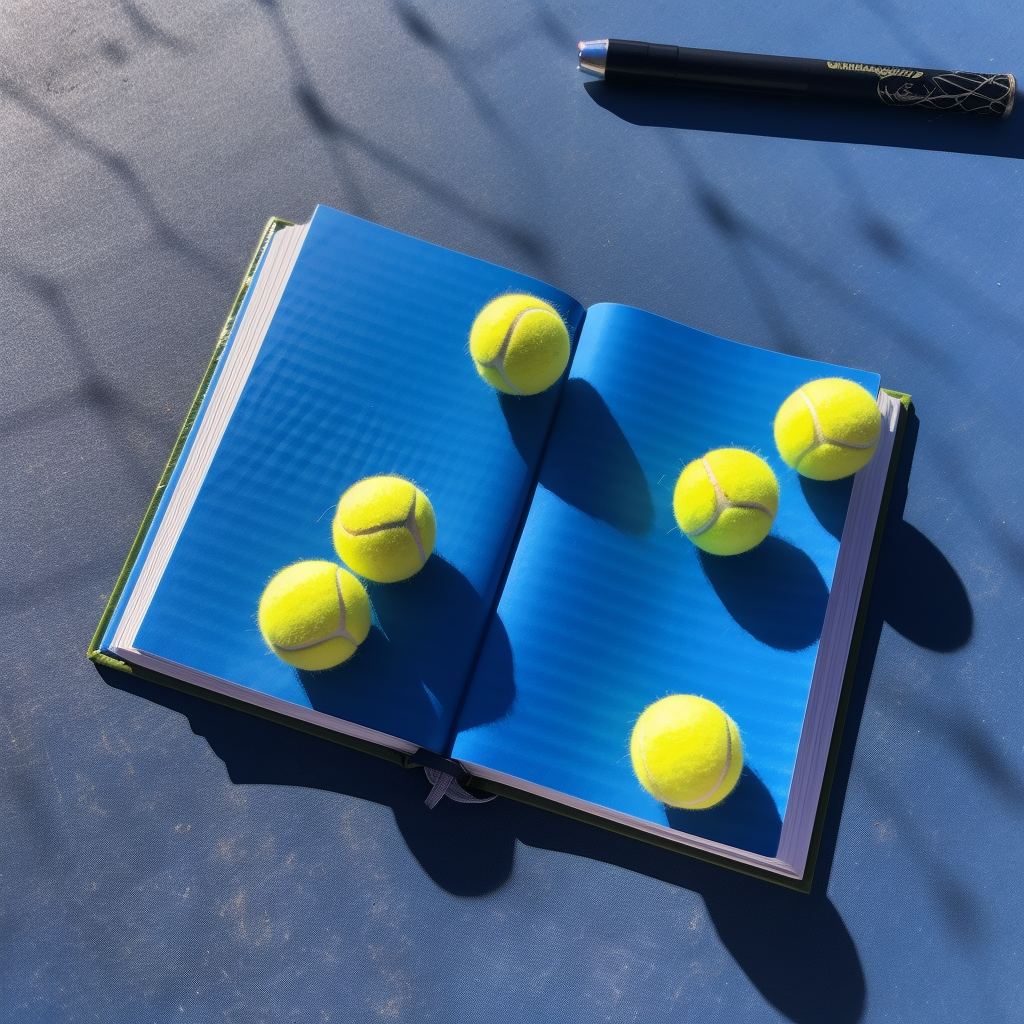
[{"x": 621, "y": 60}]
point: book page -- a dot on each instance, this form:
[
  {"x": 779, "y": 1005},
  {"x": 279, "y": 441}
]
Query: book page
[
  {"x": 608, "y": 607},
  {"x": 363, "y": 370}
]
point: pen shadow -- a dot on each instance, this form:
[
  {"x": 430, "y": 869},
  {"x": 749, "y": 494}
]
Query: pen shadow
[
  {"x": 812, "y": 120},
  {"x": 588, "y": 462}
]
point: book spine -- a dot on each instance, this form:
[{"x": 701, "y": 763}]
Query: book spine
[{"x": 93, "y": 653}]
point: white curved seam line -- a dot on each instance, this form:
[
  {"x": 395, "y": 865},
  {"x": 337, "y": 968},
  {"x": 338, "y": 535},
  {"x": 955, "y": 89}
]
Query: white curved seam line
[
  {"x": 658, "y": 791},
  {"x": 340, "y": 633},
  {"x": 850, "y": 444},
  {"x": 498, "y": 362},
  {"x": 820, "y": 437},
  {"x": 725, "y": 771},
  {"x": 722, "y": 503}
]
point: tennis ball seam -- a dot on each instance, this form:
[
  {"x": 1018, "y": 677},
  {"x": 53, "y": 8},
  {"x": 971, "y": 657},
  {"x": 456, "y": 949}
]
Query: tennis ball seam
[
  {"x": 409, "y": 523},
  {"x": 660, "y": 793},
  {"x": 725, "y": 770},
  {"x": 498, "y": 362},
  {"x": 339, "y": 633},
  {"x": 820, "y": 437},
  {"x": 723, "y": 502}
]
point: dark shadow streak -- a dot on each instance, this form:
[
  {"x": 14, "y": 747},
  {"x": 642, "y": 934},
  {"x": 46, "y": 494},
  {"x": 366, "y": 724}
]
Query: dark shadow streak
[
  {"x": 339, "y": 134},
  {"x": 122, "y": 170},
  {"x": 119, "y": 415},
  {"x": 972, "y": 743},
  {"x": 745, "y": 239},
  {"x": 116, "y": 52},
  {"x": 813, "y": 120},
  {"x": 928, "y": 269},
  {"x": 151, "y": 31},
  {"x": 328, "y": 125},
  {"x": 952, "y": 895},
  {"x": 557, "y": 31},
  {"x": 741, "y": 231},
  {"x": 733, "y": 232},
  {"x": 419, "y": 27}
]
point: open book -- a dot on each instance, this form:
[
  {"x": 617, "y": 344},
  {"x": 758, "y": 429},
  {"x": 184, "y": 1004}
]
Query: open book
[{"x": 561, "y": 599}]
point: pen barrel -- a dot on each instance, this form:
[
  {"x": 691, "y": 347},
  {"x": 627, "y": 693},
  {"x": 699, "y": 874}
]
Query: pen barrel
[{"x": 965, "y": 91}]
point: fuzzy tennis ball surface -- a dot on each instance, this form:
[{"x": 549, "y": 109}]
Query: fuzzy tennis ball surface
[
  {"x": 726, "y": 502},
  {"x": 384, "y": 528},
  {"x": 520, "y": 344},
  {"x": 828, "y": 429},
  {"x": 686, "y": 752},
  {"x": 314, "y": 614}
]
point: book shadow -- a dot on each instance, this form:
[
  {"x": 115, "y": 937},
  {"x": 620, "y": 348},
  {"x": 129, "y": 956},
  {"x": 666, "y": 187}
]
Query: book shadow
[
  {"x": 812, "y": 120},
  {"x": 415, "y": 651},
  {"x": 794, "y": 947},
  {"x": 588, "y": 462},
  {"x": 774, "y": 592},
  {"x": 746, "y": 818}
]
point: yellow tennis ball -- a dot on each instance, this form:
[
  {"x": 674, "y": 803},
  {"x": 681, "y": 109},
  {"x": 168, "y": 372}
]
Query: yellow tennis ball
[
  {"x": 828, "y": 429},
  {"x": 384, "y": 528},
  {"x": 726, "y": 502},
  {"x": 314, "y": 615},
  {"x": 686, "y": 751},
  {"x": 520, "y": 344}
]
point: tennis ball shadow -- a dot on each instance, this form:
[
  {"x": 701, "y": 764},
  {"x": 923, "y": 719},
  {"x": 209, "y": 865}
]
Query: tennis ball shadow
[
  {"x": 747, "y": 818},
  {"x": 828, "y": 500},
  {"x": 920, "y": 593},
  {"x": 775, "y": 592},
  {"x": 528, "y": 418},
  {"x": 794, "y": 947},
  {"x": 417, "y": 657},
  {"x": 922, "y": 596},
  {"x": 588, "y": 462}
]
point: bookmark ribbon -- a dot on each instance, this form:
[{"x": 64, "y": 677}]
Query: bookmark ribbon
[{"x": 445, "y": 785}]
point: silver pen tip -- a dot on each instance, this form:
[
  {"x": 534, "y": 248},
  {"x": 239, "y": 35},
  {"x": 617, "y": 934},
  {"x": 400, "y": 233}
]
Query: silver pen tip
[{"x": 593, "y": 55}]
